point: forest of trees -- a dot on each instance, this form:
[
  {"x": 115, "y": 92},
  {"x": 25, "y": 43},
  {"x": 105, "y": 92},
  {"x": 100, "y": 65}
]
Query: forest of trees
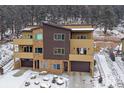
[{"x": 15, "y": 18}]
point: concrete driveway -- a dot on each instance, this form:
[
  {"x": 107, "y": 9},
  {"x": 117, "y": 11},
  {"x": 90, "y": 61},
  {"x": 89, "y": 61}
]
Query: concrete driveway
[{"x": 80, "y": 80}]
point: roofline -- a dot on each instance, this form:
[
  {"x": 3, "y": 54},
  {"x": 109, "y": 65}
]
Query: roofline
[
  {"x": 57, "y": 26},
  {"x": 37, "y": 27},
  {"x": 77, "y": 25}
]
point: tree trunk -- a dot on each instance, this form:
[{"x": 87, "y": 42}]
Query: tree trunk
[{"x": 105, "y": 29}]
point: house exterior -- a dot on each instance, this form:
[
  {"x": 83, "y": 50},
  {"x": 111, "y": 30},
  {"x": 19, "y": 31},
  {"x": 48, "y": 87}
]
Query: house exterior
[{"x": 57, "y": 49}]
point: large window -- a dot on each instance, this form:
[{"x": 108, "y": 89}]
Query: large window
[
  {"x": 82, "y": 51},
  {"x": 38, "y": 50},
  {"x": 59, "y": 36},
  {"x": 82, "y": 37},
  {"x": 59, "y": 51},
  {"x": 56, "y": 66},
  {"x": 27, "y": 48},
  {"x": 39, "y": 37}
]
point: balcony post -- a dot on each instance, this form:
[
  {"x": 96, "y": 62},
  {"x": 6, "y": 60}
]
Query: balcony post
[
  {"x": 33, "y": 65},
  {"x": 92, "y": 68},
  {"x": 69, "y": 67}
]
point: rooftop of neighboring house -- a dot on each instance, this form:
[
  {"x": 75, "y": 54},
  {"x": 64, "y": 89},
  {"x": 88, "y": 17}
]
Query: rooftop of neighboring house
[{"x": 31, "y": 28}]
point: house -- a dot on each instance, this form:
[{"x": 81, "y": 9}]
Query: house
[{"x": 57, "y": 49}]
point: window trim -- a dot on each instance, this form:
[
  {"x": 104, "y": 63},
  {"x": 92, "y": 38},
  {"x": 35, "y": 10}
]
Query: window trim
[
  {"x": 58, "y": 53},
  {"x": 55, "y": 34}
]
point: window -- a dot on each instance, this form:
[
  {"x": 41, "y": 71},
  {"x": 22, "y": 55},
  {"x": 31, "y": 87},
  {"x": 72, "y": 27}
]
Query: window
[
  {"x": 56, "y": 66},
  {"x": 27, "y": 48},
  {"x": 82, "y": 51},
  {"x": 59, "y": 36},
  {"x": 59, "y": 51},
  {"x": 30, "y": 37},
  {"x": 82, "y": 37},
  {"x": 38, "y": 50},
  {"x": 39, "y": 37}
]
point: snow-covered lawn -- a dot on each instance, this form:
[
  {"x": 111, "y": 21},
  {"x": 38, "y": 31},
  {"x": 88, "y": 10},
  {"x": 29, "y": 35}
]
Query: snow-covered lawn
[
  {"x": 8, "y": 80},
  {"x": 6, "y": 53}
]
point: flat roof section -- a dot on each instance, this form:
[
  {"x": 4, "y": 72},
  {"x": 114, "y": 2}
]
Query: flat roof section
[{"x": 82, "y": 29}]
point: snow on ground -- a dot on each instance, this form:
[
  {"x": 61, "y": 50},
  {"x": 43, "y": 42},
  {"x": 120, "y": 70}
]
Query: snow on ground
[
  {"x": 6, "y": 57},
  {"x": 9, "y": 81},
  {"x": 106, "y": 73},
  {"x": 116, "y": 32},
  {"x": 6, "y": 53},
  {"x": 121, "y": 74}
]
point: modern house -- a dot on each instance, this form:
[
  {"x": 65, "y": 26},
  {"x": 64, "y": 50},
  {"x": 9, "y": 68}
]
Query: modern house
[{"x": 56, "y": 49}]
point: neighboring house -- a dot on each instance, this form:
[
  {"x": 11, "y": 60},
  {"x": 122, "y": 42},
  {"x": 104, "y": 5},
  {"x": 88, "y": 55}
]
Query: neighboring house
[{"x": 57, "y": 49}]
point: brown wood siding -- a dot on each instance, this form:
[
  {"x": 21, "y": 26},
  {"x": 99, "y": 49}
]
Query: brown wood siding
[
  {"x": 50, "y": 43},
  {"x": 80, "y": 66}
]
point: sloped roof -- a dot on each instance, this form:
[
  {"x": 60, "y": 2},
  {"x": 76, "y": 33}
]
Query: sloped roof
[
  {"x": 31, "y": 28},
  {"x": 72, "y": 27}
]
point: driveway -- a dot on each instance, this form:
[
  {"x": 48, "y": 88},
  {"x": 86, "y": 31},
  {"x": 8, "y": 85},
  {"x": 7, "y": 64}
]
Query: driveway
[{"x": 80, "y": 80}]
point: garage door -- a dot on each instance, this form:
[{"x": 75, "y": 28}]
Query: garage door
[
  {"x": 26, "y": 63},
  {"x": 80, "y": 66}
]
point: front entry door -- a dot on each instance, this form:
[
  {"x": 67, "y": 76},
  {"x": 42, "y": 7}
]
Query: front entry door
[
  {"x": 37, "y": 64},
  {"x": 65, "y": 66}
]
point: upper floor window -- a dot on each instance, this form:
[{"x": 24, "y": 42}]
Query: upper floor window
[
  {"x": 82, "y": 37},
  {"x": 39, "y": 37},
  {"x": 38, "y": 50},
  {"x": 27, "y": 48},
  {"x": 82, "y": 51},
  {"x": 59, "y": 51},
  {"x": 59, "y": 36}
]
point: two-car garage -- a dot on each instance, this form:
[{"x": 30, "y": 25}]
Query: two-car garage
[{"x": 79, "y": 66}]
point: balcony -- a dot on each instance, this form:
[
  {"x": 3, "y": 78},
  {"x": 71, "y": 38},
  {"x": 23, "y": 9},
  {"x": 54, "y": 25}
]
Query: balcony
[
  {"x": 81, "y": 43},
  {"x": 76, "y": 57},
  {"x": 23, "y": 55},
  {"x": 38, "y": 56},
  {"x": 23, "y": 41}
]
